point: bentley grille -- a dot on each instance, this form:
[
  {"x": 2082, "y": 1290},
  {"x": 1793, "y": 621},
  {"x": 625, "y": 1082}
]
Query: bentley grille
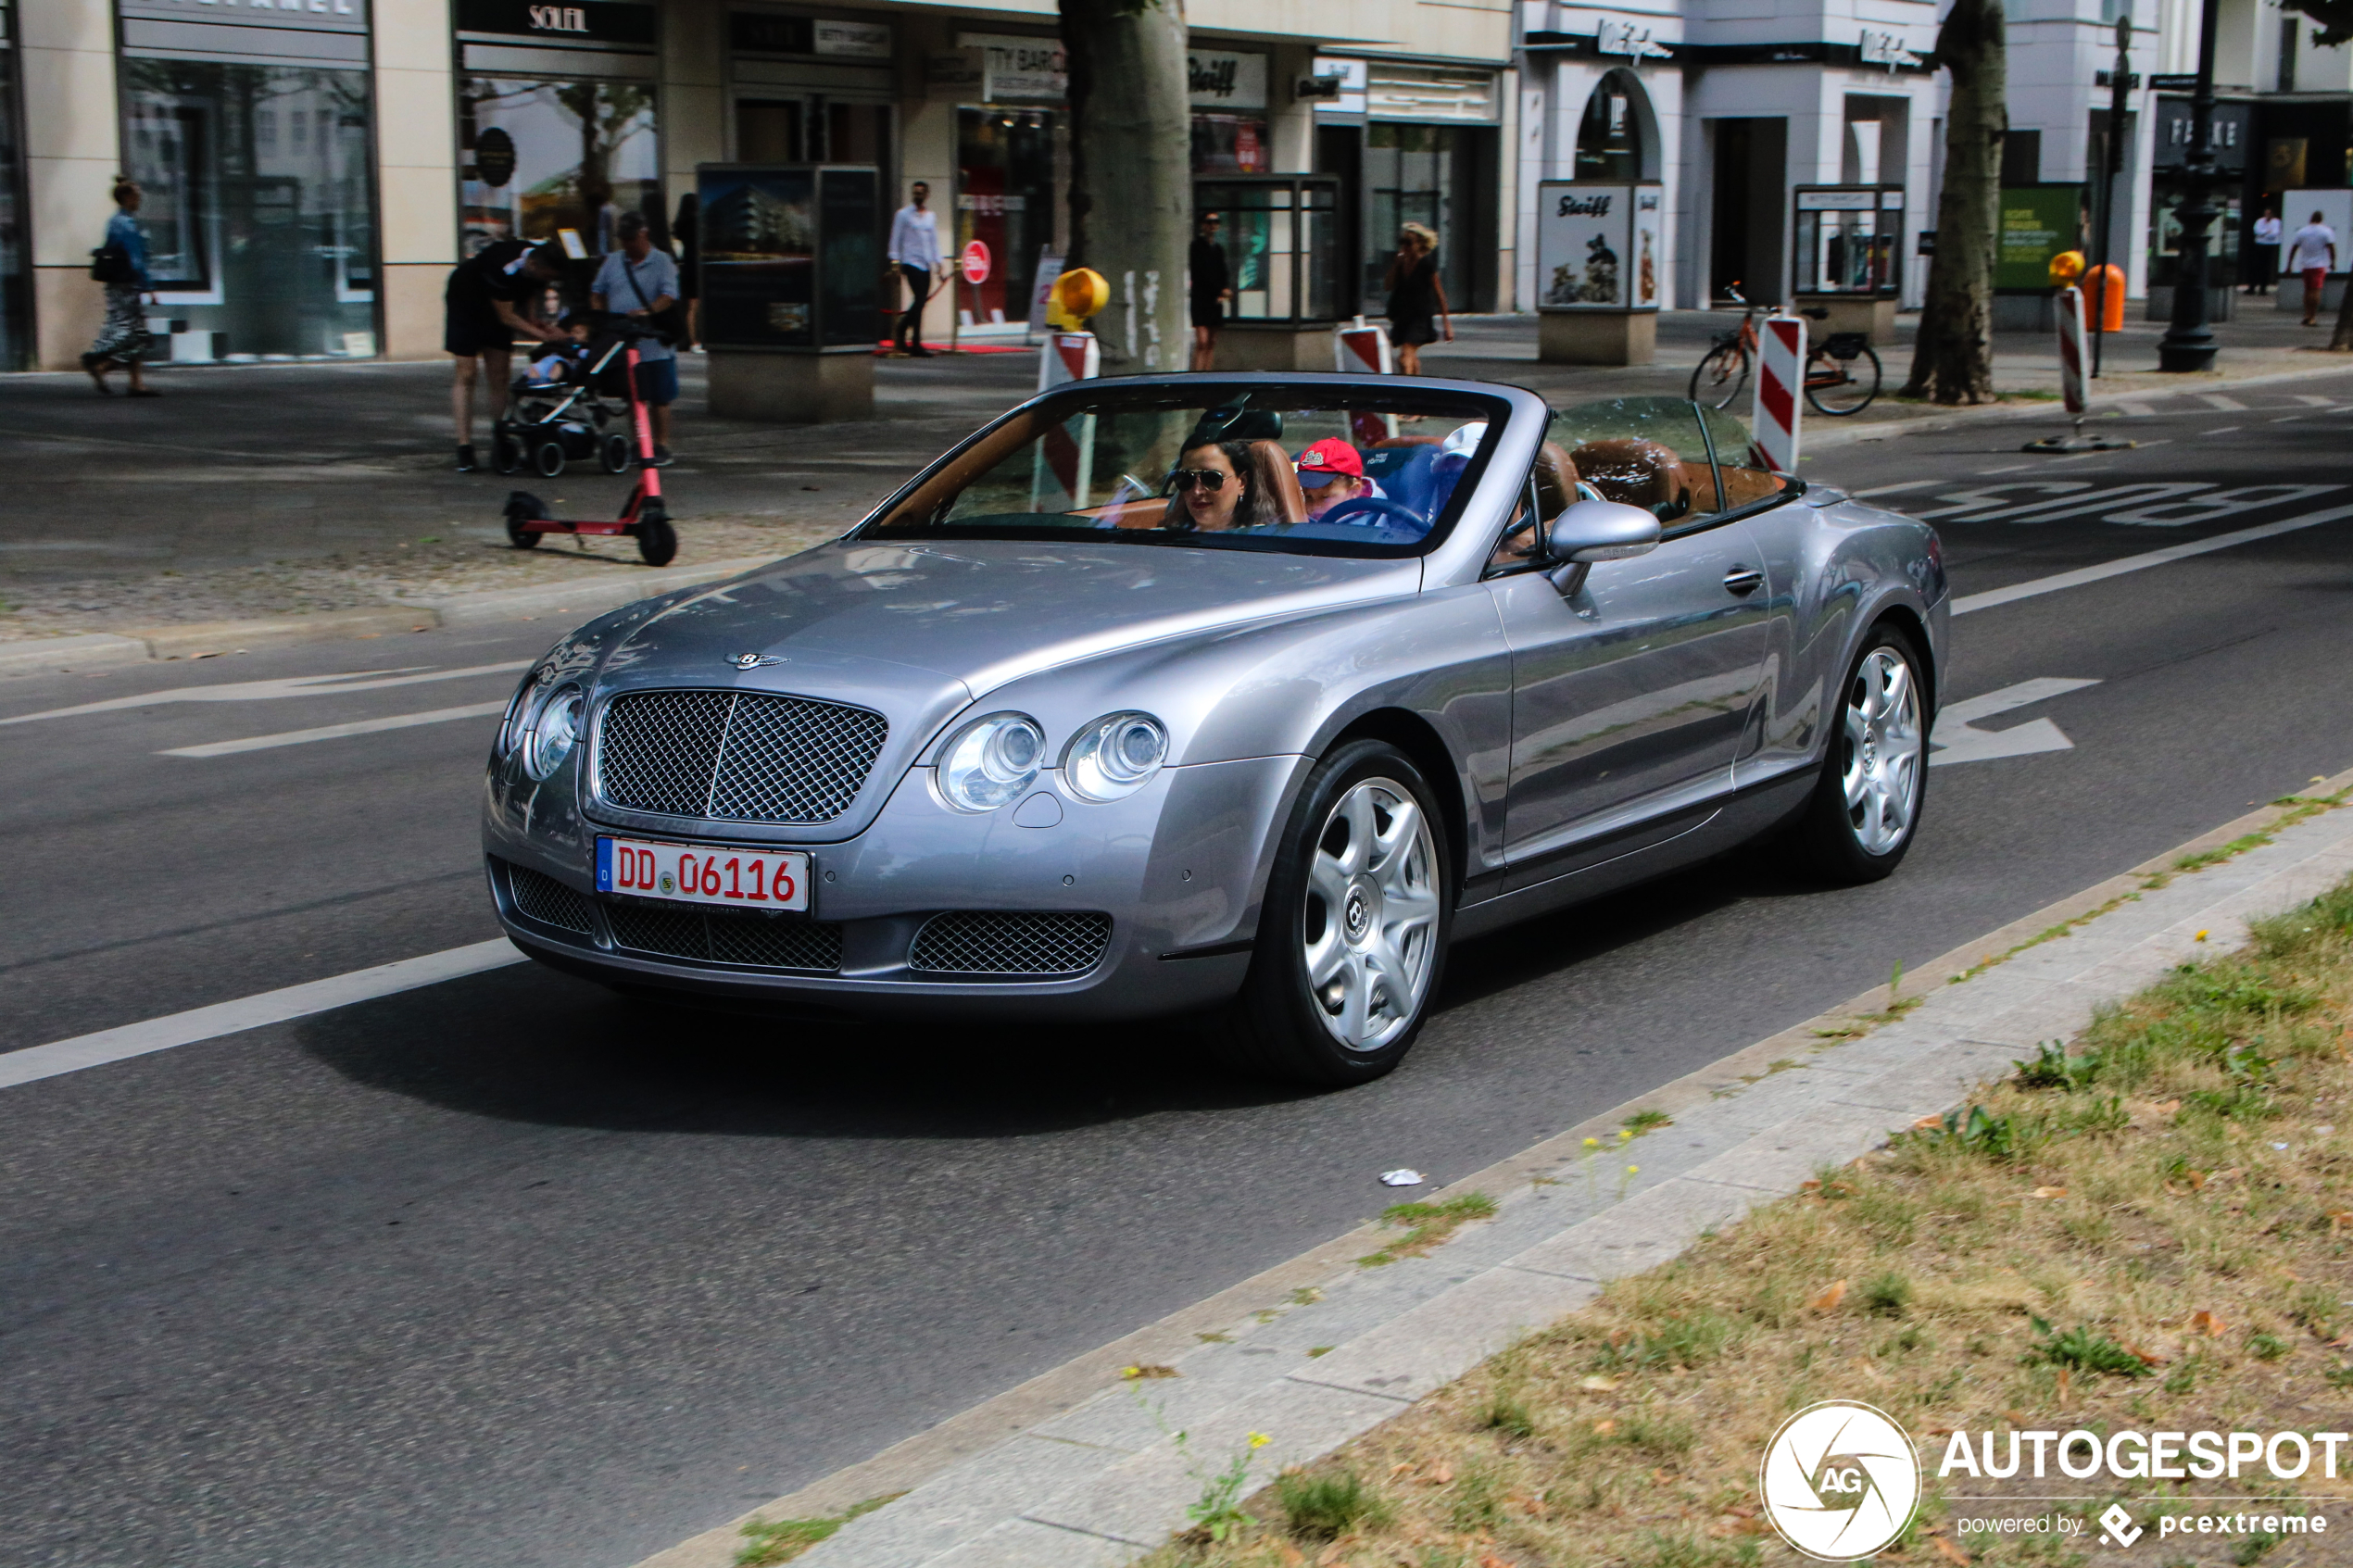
[
  {"x": 1004, "y": 941},
  {"x": 753, "y": 941},
  {"x": 543, "y": 898},
  {"x": 743, "y": 756}
]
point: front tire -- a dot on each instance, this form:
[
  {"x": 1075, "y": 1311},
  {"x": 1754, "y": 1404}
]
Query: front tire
[
  {"x": 1865, "y": 809},
  {"x": 1720, "y": 376},
  {"x": 1351, "y": 939}
]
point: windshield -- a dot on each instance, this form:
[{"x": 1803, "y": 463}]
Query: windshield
[{"x": 1305, "y": 469}]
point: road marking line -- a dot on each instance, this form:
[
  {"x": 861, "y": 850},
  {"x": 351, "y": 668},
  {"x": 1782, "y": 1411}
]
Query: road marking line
[
  {"x": 1957, "y": 739},
  {"x": 2106, "y": 570},
  {"x": 336, "y": 732},
  {"x": 293, "y": 685},
  {"x": 1897, "y": 489},
  {"x": 2006, "y": 468},
  {"x": 2217, "y": 400},
  {"x": 2136, "y": 410},
  {"x": 59, "y": 1057},
  {"x": 2224, "y": 430},
  {"x": 2314, "y": 399}
]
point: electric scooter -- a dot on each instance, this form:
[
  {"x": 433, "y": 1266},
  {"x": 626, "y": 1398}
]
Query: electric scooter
[{"x": 644, "y": 517}]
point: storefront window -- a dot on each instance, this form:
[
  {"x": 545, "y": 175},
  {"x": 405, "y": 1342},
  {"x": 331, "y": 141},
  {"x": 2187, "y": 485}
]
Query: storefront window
[
  {"x": 1281, "y": 239},
  {"x": 1409, "y": 178},
  {"x": 1609, "y": 139},
  {"x": 542, "y": 157},
  {"x": 2165, "y": 237},
  {"x": 260, "y": 227},
  {"x": 15, "y": 312},
  {"x": 1004, "y": 199},
  {"x": 1229, "y": 144}
]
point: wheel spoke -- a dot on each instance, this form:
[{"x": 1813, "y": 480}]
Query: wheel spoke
[
  {"x": 1362, "y": 836},
  {"x": 1898, "y": 701},
  {"x": 1327, "y": 880},
  {"x": 1356, "y": 1000},
  {"x": 1326, "y": 957},
  {"x": 1395, "y": 850}
]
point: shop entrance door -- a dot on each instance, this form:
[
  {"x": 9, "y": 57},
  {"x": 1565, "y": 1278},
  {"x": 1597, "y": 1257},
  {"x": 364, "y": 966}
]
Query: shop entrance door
[{"x": 1005, "y": 200}]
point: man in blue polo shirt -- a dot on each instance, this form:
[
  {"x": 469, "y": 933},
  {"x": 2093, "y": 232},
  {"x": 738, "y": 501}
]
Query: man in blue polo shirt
[{"x": 640, "y": 281}]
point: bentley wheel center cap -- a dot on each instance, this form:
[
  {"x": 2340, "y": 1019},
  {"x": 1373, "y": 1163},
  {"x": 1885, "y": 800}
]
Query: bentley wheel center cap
[{"x": 1358, "y": 913}]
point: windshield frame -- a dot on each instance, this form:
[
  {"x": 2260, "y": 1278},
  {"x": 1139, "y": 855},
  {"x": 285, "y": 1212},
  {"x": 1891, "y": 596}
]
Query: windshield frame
[{"x": 1206, "y": 392}]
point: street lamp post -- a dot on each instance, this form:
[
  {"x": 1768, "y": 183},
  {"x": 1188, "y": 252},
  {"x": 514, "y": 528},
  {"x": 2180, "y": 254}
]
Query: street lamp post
[
  {"x": 2188, "y": 344},
  {"x": 2119, "y": 84}
]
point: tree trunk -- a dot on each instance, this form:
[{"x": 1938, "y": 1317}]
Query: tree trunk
[
  {"x": 1952, "y": 358},
  {"x": 1131, "y": 189}
]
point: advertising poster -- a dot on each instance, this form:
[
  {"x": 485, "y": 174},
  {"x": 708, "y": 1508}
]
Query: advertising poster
[
  {"x": 1582, "y": 232},
  {"x": 1647, "y": 256},
  {"x": 759, "y": 257},
  {"x": 2037, "y": 222}
]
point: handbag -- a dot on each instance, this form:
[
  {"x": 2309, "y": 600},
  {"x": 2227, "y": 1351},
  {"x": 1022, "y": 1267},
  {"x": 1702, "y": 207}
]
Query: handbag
[
  {"x": 110, "y": 264},
  {"x": 670, "y": 324}
]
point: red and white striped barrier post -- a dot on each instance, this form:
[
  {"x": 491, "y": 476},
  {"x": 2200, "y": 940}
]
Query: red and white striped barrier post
[
  {"x": 1361, "y": 347},
  {"x": 2074, "y": 388},
  {"x": 1063, "y": 470},
  {"x": 1781, "y": 381}
]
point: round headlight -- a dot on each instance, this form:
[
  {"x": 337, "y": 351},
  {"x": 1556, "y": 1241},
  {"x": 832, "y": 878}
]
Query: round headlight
[
  {"x": 553, "y": 735},
  {"x": 517, "y": 723},
  {"x": 991, "y": 761},
  {"x": 1116, "y": 754}
]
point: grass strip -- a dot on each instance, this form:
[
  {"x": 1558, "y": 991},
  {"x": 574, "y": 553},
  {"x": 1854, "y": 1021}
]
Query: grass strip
[
  {"x": 1427, "y": 1225},
  {"x": 770, "y": 1541},
  {"x": 2149, "y": 1227}
]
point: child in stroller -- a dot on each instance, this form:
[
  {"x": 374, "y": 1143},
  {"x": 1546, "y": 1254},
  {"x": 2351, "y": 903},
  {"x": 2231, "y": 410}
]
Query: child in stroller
[{"x": 555, "y": 414}]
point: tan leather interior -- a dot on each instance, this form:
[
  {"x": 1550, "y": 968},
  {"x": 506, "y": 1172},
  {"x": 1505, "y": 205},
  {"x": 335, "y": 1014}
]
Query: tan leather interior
[
  {"x": 1408, "y": 441},
  {"x": 1275, "y": 479},
  {"x": 1639, "y": 472},
  {"x": 1743, "y": 486},
  {"x": 1555, "y": 481}
]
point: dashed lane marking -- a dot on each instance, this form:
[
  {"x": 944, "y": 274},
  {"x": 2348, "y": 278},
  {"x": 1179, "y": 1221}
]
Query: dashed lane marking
[
  {"x": 37, "y": 1062},
  {"x": 336, "y": 732},
  {"x": 2220, "y": 400},
  {"x": 287, "y": 686}
]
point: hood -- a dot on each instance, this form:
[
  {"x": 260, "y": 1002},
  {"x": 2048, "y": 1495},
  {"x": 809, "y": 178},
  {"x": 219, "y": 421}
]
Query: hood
[{"x": 982, "y": 612}]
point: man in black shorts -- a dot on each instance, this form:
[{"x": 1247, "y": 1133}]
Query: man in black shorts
[{"x": 481, "y": 319}]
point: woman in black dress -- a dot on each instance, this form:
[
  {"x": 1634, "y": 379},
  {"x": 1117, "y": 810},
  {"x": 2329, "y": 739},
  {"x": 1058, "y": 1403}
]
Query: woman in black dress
[
  {"x": 1212, "y": 287},
  {"x": 1416, "y": 297}
]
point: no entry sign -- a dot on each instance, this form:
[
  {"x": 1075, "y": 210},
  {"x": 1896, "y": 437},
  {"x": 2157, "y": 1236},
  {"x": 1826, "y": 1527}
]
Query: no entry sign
[{"x": 976, "y": 262}]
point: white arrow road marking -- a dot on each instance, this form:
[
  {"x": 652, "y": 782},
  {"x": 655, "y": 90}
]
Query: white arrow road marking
[
  {"x": 1957, "y": 738},
  {"x": 2083, "y": 575},
  {"x": 337, "y": 731},
  {"x": 37, "y": 1062},
  {"x": 292, "y": 685}
]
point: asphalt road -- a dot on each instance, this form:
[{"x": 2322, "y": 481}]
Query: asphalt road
[{"x": 506, "y": 1271}]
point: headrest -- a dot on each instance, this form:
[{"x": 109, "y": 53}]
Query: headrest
[
  {"x": 1637, "y": 472},
  {"x": 1272, "y": 477},
  {"x": 1236, "y": 421},
  {"x": 1555, "y": 479}
]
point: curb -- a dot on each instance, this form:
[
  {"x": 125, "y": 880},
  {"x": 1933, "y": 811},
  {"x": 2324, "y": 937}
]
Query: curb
[
  {"x": 1071, "y": 1469},
  {"x": 106, "y": 650}
]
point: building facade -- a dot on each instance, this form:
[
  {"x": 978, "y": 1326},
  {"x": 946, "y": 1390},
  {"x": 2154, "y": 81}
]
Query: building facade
[{"x": 313, "y": 169}]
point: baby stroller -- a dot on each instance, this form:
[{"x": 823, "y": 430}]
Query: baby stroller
[{"x": 552, "y": 423}]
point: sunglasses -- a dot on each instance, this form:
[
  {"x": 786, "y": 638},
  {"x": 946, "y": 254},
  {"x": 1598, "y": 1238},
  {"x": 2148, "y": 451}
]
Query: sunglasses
[{"x": 1208, "y": 479}]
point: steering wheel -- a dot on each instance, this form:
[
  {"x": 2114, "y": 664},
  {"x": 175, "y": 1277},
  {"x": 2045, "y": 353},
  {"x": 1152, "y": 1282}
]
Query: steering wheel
[{"x": 1362, "y": 509}]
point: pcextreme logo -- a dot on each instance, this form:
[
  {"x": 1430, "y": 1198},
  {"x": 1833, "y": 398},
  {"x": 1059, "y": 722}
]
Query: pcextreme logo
[{"x": 1840, "y": 1481}]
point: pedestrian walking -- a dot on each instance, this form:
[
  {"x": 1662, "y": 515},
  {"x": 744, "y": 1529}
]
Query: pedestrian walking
[
  {"x": 481, "y": 318},
  {"x": 2313, "y": 253},
  {"x": 1212, "y": 285},
  {"x": 1417, "y": 297},
  {"x": 915, "y": 250},
  {"x": 2266, "y": 250},
  {"x": 686, "y": 235},
  {"x": 642, "y": 282},
  {"x": 122, "y": 265}
]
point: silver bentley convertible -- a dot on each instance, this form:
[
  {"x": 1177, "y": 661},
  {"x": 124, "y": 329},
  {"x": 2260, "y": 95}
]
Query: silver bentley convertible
[{"x": 1233, "y": 696}]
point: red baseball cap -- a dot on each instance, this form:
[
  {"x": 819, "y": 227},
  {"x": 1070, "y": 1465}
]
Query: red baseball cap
[{"x": 1326, "y": 460}]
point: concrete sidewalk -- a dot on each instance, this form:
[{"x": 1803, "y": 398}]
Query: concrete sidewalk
[
  {"x": 1100, "y": 1481},
  {"x": 270, "y": 493}
]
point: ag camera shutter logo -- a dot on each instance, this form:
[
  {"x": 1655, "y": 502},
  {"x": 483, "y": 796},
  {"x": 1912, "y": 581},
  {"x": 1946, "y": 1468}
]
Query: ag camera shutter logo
[{"x": 1840, "y": 1481}]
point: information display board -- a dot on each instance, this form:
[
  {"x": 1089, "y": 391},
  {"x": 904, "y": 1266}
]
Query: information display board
[
  {"x": 789, "y": 255},
  {"x": 1598, "y": 246}
]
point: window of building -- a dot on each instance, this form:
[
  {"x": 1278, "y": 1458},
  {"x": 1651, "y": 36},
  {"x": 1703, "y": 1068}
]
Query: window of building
[
  {"x": 1609, "y": 137},
  {"x": 542, "y": 155},
  {"x": 1004, "y": 199},
  {"x": 15, "y": 306}
]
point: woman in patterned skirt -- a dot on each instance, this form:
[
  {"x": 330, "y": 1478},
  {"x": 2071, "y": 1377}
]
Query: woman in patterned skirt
[{"x": 124, "y": 337}]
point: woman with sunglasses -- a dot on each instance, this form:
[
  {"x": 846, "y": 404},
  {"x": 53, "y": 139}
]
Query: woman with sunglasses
[{"x": 1209, "y": 491}]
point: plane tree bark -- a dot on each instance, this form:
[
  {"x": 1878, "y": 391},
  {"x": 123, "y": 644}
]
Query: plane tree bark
[
  {"x": 1952, "y": 358},
  {"x": 1131, "y": 197}
]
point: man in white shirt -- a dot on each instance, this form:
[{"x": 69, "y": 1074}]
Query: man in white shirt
[
  {"x": 915, "y": 250},
  {"x": 640, "y": 281},
  {"x": 2313, "y": 253},
  {"x": 2267, "y": 251}
]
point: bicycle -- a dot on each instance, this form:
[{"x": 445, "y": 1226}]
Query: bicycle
[{"x": 1834, "y": 385}]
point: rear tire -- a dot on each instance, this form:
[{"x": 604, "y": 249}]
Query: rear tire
[
  {"x": 1352, "y": 938},
  {"x": 656, "y": 541},
  {"x": 506, "y": 455},
  {"x": 1719, "y": 379},
  {"x": 613, "y": 452},
  {"x": 548, "y": 459},
  {"x": 1850, "y": 396},
  {"x": 1865, "y": 809}
]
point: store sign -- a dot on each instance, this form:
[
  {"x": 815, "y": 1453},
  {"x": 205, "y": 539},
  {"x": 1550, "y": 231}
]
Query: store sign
[
  {"x": 1625, "y": 38},
  {"x": 1837, "y": 201},
  {"x": 761, "y": 32},
  {"x": 1016, "y": 69},
  {"x": 1348, "y": 97},
  {"x": 598, "y": 21},
  {"x": 2177, "y": 129},
  {"x": 1220, "y": 81},
  {"x": 1885, "y": 49},
  {"x": 493, "y": 157},
  {"x": 1597, "y": 247},
  {"x": 324, "y": 16}
]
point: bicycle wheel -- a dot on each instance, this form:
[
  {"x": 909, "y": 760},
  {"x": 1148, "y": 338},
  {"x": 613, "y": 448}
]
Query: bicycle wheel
[
  {"x": 1839, "y": 387},
  {"x": 1720, "y": 376}
]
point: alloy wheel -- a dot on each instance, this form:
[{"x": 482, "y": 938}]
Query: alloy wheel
[
  {"x": 1369, "y": 928},
  {"x": 1884, "y": 750}
]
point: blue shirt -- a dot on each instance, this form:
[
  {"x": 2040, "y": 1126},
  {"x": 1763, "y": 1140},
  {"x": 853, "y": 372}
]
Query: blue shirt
[
  {"x": 655, "y": 276},
  {"x": 123, "y": 230}
]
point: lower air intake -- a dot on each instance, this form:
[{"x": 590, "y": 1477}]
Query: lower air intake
[
  {"x": 749, "y": 941},
  {"x": 543, "y": 898},
  {"x": 999, "y": 942}
]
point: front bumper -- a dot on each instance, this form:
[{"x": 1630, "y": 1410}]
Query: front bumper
[{"x": 1178, "y": 869}]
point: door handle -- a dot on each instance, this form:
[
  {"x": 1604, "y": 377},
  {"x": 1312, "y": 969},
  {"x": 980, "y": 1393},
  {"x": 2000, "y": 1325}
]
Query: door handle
[{"x": 1743, "y": 581}]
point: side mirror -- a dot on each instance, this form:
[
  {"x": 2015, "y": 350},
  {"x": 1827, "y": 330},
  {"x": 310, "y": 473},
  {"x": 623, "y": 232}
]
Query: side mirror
[{"x": 1591, "y": 531}]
